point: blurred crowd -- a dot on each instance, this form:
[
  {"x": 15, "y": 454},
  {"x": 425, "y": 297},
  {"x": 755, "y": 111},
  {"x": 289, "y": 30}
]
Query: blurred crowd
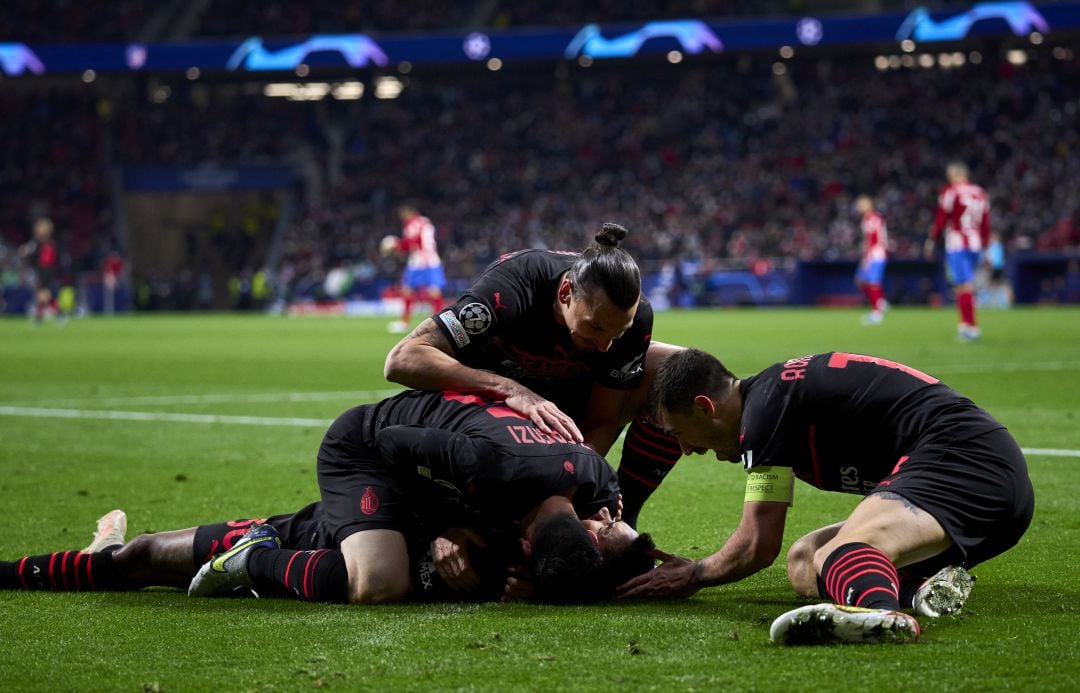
[{"x": 735, "y": 161}]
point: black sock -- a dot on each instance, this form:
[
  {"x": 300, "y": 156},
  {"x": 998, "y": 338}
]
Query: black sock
[
  {"x": 648, "y": 455},
  {"x": 64, "y": 571},
  {"x": 317, "y": 576},
  {"x": 859, "y": 575}
]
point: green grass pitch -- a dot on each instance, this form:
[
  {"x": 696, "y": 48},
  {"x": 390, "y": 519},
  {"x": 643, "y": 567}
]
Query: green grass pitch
[{"x": 57, "y": 475}]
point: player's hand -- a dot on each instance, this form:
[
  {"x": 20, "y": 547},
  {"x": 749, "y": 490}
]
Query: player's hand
[
  {"x": 450, "y": 553},
  {"x": 544, "y": 414},
  {"x": 519, "y": 586},
  {"x": 672, "y": 579}
]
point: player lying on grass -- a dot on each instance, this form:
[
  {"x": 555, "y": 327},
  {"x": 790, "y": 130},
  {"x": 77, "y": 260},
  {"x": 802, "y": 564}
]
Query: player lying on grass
[
  {"x": 385, "y": 479},
  {"x": 946, "y": 487},
  {"x": 562, "y": 337}
]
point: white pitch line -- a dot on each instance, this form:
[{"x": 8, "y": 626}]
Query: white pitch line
[
  {"x": 108, "y": 415},
  {"x": 40, "y": 412},
  {"x": 223, "y": 398},
  {"x": 1050, "y": 452}
]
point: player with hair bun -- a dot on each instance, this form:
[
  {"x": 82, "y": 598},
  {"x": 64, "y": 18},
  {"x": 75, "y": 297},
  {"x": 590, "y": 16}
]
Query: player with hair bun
[{"x": 565, "y": 339}]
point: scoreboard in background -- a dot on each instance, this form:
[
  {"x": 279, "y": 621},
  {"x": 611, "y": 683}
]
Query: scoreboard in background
[{"x": 583, "y": 44}]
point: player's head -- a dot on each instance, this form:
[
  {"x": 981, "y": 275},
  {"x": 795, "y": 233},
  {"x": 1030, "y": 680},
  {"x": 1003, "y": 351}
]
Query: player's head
[
  {"x": 957, "y": 172},
  {"x": 598, "y": 297},
  {"x": 696, "y": 399},
  {"x": 863, "y": 204},
  {"x": 579, "y": 561},
  {"x": 43, "y": 229},
  {"x": 406, "y": 211}
]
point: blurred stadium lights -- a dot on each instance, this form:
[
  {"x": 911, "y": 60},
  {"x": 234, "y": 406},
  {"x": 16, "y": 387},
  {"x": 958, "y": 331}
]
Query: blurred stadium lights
[
  {"x": 192, "y": 73},
  {"x": 404, "y": 67},
  {"x": 926, "y": 60},
  {"x": 674, "y": 57},
  {"x": 907, "y": 45},
  {"x": 347, "y": 91},
  {"x": 779, "y": 69},
  {"x": 160, "y": 93},
  {"x": 882, "y": 63},
  {"x": 302, "y": 70},
  {"x": 314, "y": 91},
  {"x": 494, "y": 64},
  {"x": 89, "y": 76},
  {"x": 787, "y": 52},
  {"x": 584, "y": 61},
  {"x": 388, "y": 87},
  {"x": 1036, "y": 38},
  {"x": 1016, "y": 56},
  {"x": 975, "y": 57}
]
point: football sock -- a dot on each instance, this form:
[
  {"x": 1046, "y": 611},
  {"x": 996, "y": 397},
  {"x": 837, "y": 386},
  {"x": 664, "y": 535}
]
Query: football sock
[
  {"x": 868, "y": 291},
  {"x": 648, "y": 455},
  {"x": 316, "y": 576},
  {"x": 965, "y": 302},
  {"x": 436, "y": 303},
  {"x": 877, "y": 297},
  {"x": 859, "y": 575},
  {"x": 64, "y": 571},
  {"x": 406, "y": 312}
]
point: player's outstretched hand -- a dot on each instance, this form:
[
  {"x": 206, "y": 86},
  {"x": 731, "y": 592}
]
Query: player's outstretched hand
[
  {"x": 519, "y": 586},
  {"x": 450, "y": 553},
  {"x": 672, "y": 579},
  {"x": 544, "y": 414}
]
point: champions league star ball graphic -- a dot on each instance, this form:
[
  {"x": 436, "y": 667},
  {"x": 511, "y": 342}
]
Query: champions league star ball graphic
[{"x": 475, "y": 318}]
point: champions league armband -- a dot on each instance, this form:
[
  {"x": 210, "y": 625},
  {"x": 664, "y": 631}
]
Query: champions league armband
[{"x": 776, "y": 484}]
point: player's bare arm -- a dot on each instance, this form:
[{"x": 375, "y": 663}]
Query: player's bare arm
[
  {"x": 450, "y": 553},
  {"x": 609, "y": 411},
  {"x": 753, "y": 546},
  {"x": 424, "y": 360}
]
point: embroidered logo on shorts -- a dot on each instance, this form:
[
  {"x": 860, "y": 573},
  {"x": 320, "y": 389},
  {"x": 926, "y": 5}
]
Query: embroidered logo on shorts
[
  {"x": 457, "y": 331},
  {"x": 476, "y": 318},
  {"x": 568, "y": 466},
  {"x": 369, "y": 502}
]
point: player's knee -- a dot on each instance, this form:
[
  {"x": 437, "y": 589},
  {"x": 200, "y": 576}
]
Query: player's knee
[
  {"x": 135, "y": 554},
  {"x": 800, "y": 568},
  {"x": 375, "y": 589}
]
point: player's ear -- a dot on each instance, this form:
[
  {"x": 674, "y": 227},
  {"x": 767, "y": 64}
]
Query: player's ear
[
  {"x": 566, "y": 290},
  {"x": 705, "y": 404}
]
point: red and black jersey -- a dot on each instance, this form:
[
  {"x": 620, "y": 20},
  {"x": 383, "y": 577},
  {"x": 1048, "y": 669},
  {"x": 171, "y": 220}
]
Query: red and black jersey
[
  {"x": 505, "y": 323},
  {"x": 843, "y": 422},
  {"x": 460, "y": 451}
]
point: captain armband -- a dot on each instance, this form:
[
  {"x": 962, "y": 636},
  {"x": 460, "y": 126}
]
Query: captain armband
[{"x": 775, "y": 484}]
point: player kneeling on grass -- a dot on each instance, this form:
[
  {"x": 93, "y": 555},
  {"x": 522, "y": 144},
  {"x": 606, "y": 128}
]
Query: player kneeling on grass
[
  {"x": 946, "y": 487},
  {"x": 388, "y": 483}
]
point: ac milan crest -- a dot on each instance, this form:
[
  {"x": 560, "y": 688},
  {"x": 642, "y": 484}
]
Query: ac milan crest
[{"x": 369, "y": 502}]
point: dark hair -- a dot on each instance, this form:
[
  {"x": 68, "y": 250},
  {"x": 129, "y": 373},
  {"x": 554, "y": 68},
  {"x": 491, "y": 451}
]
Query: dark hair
[
  {"x": 606, "y": 267},
  {"x": 568, "y": 568},
  {"x": 685, "y": 375},
  {"x": 566, "y": 565}
]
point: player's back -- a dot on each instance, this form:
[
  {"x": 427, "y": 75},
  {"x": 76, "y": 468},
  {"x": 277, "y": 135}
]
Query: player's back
[{"x": 844, "y": 420}]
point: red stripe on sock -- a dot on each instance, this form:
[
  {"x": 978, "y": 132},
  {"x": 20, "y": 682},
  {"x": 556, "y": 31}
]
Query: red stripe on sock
[
  {"x": 22, "y": 578},
  {"x": 90, "y": 571},
  {"x": 307, "y": 573},
  {"x": 673, "y": 455},
  {"x": 637, "y": 478},
  {"x": 315, "y": 565},
  {"x": 852, "y": 578},
  {"x": 64, "y": 570},
  {"x": 853, "y": 571},
  {"x": 78, "y": 583},
  {"x": 288, "y": 567},
  {"x": 630, "y": 444},
  {"x": 842, "y": 564},
  {"x": 52, "y": 576},
  {"x": 863, "y": 596}
]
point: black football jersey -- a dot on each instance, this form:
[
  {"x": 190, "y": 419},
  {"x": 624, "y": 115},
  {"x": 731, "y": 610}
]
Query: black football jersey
[
  {"x": 843, "y": 422},
  {"x": 461, "y": 453},
  {"x": 505, "y": 323}
]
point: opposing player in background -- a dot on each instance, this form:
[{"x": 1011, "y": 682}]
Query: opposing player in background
[
  {"x": 946, "y": 487},
  {"x": 565, "y": 339},
  {"x": 424, "y": 279},
  {"x": 963, "y": 214},
  {"x": 42, "y": 253},
  {"x": 874, "y": 253}
]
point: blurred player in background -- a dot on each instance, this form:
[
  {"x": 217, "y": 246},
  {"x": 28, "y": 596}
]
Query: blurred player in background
[
  {"x": 963, "y": 214},
  {"x": 45, "y": 259},
  {"x": 872, "y": 264},
  {"x": 424, "y": 279},
  {"x": 111, "y": 269}
]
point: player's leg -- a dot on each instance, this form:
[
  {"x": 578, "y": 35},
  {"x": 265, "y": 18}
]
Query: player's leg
[
  {"x": 800, "y": 560},
  {"x": 648, "y": 453},
  {"x": 962, "y": 265},
  {"x": 377, "y": 561}
]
